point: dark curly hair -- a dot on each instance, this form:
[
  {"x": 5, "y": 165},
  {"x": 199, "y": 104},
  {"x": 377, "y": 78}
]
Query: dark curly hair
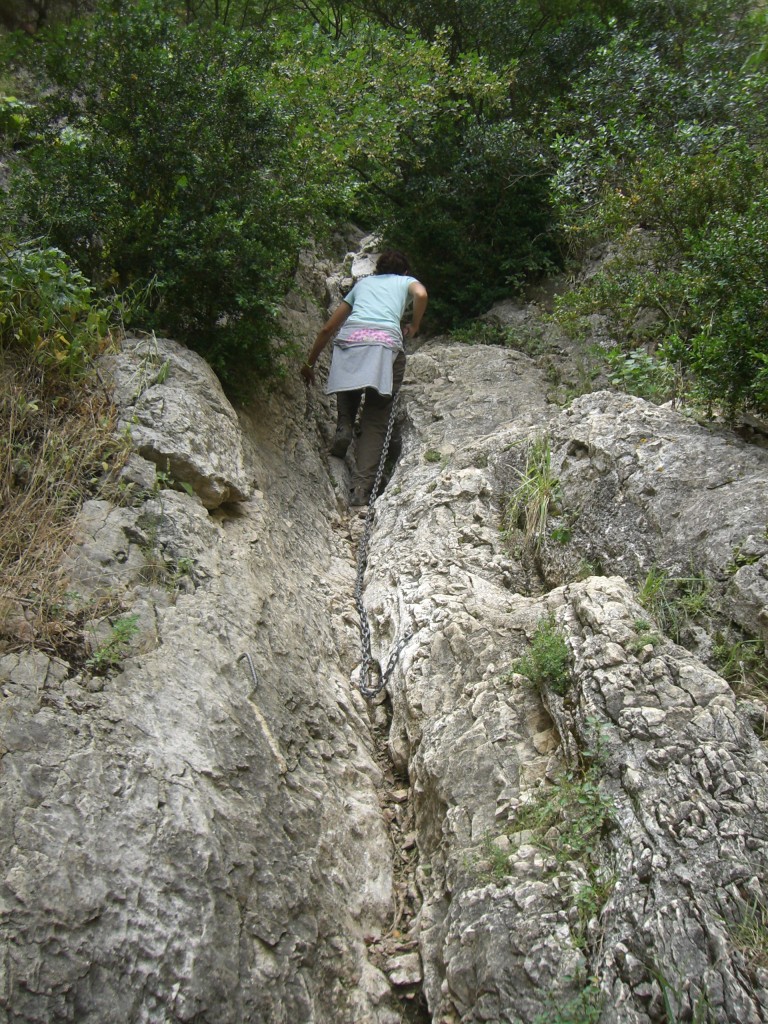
[{"x": 392, "y": 261}]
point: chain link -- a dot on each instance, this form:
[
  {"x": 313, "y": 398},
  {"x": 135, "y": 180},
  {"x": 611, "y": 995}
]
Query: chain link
[{"x": 369, "y": 689}]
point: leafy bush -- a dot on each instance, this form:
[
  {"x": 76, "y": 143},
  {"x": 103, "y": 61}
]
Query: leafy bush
[
  {"x": 201, "y": 157},
  {"x": 698, "y": 270},
  {"x": 47, "y": 308},
  {"x": 157, "y": 156},
  {"x": 577, "y": 811},
  {"x": 640, "y": 373},
  {"x": 547, "y": 662},
  {"x": 663, "y": 145},
  {"x": 476, "y": 217},
  {"x": 550, "y": 41},
  {"x": 422, "y": 147}
]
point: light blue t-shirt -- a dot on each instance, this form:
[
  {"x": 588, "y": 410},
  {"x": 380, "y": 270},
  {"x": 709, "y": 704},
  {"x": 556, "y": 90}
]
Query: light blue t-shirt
[{"x": 379, "y": 300}]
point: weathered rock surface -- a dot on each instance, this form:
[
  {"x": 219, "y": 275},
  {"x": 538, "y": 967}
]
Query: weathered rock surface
[
  {"x": 183, "y": 840},
  {"x": 645, "y": 486},
  {"x": 513, "y": 926},
  {"x": 178, "y": 417},
  {"x": 179, "y": 840}
]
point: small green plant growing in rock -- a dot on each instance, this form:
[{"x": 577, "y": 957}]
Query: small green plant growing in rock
[
  {"x": 562, "y": 535},
  {"x": 494, "y": 861},
  {"x": 539, "y": 490},
  {"x": 569, "y": 818},
  {"x": 740, "y": 661},
  {"x": 740, "y": 559},
  {"x": 481, "y": 332},
  {"x": 589, "y": 902},
  {"x": 750, "y": 934},
  {"x": 165, "y": 480},
  {"x": 645, "y": 636},
  {"x": 583, "y": 1008},
  {"x": 677, "y": 1007},
  {"x": 116, "y": 646},
  {"x": 642, "y": 373},
  {"x": 546, "y": 664},
  {"x": 587, "y": 568},
  {"x": 431, "y": 455},
  {"x": 183, "y": 569},
  {"x": 675, "y": 601}
]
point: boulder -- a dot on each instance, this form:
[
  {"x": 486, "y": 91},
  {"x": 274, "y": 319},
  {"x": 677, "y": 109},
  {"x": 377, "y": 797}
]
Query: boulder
[{"x": 178, "y": 417}]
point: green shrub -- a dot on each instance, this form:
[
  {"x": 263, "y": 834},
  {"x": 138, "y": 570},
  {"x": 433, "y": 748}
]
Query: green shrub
[
  {"x": 476, "y": 216},
  {"x": 155, "y": 155},
  {"x": 640, "y": 373},
  {"x": 668, "y": 133},
  {"x": 116, "y": 647},
  {"x": 697, "y": 278},
  {"x": 47, "y": 308},
  {"x": 546, "y": 664}
]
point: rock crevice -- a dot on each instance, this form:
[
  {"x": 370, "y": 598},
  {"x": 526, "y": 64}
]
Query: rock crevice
[{"x": 203, "y": 821}]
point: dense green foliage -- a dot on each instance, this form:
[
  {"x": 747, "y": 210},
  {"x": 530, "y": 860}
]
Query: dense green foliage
[
  {"x": 47, "y": 308},
  {"x": 665, "y": 153},
  {"x": 477, "y": 216},
  {"x": 157, "y": 157},
  {"x": 193, "y": 152}
]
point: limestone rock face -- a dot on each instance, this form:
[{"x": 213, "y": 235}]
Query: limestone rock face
[
  {"x": 524, "y": 921},
  {"x": 183, "y": 838},
  {"x": 200, "y": 818},
  {"x": 178, "y": 417},
  {"x": 645, "y": 486}
]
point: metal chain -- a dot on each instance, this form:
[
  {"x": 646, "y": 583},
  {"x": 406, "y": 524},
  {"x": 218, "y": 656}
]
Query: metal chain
[{"x": 367, "y": 689}]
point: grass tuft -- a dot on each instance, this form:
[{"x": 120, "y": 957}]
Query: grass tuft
[{"x": 57, "y": 449}]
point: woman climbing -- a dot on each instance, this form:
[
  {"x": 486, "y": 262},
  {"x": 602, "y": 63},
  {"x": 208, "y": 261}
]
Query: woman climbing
[{"x": 368, "y": 359}]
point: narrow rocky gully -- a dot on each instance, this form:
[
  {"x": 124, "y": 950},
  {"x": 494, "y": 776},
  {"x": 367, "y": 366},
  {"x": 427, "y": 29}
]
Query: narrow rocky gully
[
  {"x": 633, "y": 898},
  {"x": 555, "y": 812},
  {"x": 396, "y": 951},
  {"x": 633, "y": 901}
]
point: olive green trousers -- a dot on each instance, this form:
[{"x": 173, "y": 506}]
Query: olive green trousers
[{"x": 372, "y": 427}]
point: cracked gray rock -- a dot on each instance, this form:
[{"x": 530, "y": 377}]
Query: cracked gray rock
[
  {"x": 683, "y": 859},
  {"x": 183, "y": 840}
]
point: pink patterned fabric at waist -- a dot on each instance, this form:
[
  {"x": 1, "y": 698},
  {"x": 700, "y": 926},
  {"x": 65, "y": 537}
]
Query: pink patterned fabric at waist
[
  {"x": 368, "y": 334},
  {"x": 364, "y": 335}
]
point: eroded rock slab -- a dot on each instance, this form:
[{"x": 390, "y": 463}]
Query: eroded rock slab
[
  {"x": 520, "y": 924},
  {"x": 178, "y": 417},
  {"x": 645, "y": 486},
  {"x": 181, "y": 838}
]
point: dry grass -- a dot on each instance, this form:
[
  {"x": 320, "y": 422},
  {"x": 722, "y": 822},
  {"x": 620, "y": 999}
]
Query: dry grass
[{"x": 57, "y": 448}]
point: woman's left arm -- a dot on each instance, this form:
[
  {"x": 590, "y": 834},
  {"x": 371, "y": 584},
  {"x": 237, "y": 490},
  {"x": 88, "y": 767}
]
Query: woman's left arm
[{"x": 420, "y": 298}]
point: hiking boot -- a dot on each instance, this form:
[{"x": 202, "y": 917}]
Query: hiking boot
[
  {"x": 358, "y": 497},
  {"x": 341, "y": 442}
]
